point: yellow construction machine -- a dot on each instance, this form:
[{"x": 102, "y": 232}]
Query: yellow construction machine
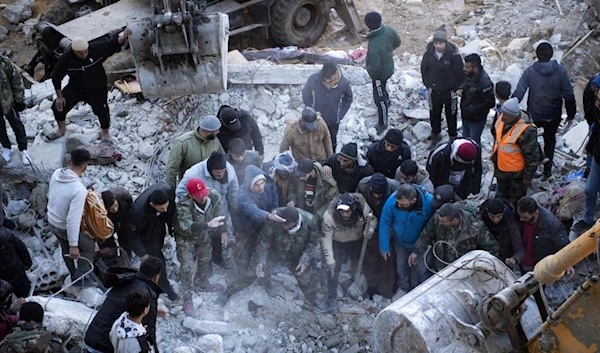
[{"x": 477, "y": 304}]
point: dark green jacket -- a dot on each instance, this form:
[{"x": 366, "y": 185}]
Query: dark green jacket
[
  {"x": 380, "y": 53},
  {"x": 288, "y": 248}
]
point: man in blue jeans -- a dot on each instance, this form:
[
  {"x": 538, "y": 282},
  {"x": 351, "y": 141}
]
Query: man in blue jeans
[
  {"x": 591, "y": 104},
  {"x": 405, "y": 214},
  {"x": 477, "y": 94}
]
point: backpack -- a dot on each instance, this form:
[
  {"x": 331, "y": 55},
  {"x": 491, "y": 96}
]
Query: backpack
[{"x": 95, "y": 223}]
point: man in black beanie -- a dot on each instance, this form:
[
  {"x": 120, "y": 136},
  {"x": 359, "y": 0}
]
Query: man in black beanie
[
  {"x": 442, "y": 72},
  {"x": 347, "y": 167},
  {"x": 380, "y": 63},
  {"x": 548, "y": 84},
  {"x": 238, "y": 123},
  {"x": 388, "y": 154},
  {"x": 329, "y": 93}
]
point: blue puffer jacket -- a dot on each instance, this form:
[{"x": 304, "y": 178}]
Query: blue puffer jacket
[
  {"x": 406, "y": 225},
  {"x": 253, "y": 208},
  {"x": 548, "y": 84}
]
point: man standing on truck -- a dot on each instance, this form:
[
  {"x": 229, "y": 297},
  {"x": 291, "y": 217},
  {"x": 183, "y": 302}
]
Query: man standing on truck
[
  {"x": 87, "y": 81},
  {"x": 380, "y": 63}
]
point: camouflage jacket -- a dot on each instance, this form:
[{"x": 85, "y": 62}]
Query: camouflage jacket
[
  {"x": 11, "y": 85},
  {"x": 472, "y": 234},
  {"x": 528, "y": 144},
  {"x": 288, "y": 248},
  {"x": 190, "y": 223}
]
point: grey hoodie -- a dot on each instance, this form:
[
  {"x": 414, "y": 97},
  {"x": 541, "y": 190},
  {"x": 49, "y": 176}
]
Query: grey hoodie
[
  {"x": 548, "y": 84},
  {"x": 66, "y": 198}
]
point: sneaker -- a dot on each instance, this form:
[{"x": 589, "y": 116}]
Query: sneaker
[
  {"x": 317, "y": 305},
  {"x": 25, "y": 157},
  {"x": 212, "y": 288},
  {"x": 172, "y": 295},
  {"x": 380, "y": 128},
  {"x": 223, "y": 298},
  {"x": 580, "y": 227},
  {"x": 333, "y": 306},
  {"x": 188, "y": 308},
  {"x": 6, "y": 154},
  {"x": 544, "y": 160}
]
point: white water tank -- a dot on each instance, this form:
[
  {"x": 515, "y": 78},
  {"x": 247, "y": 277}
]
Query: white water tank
[{"x": 439, "y": 315}]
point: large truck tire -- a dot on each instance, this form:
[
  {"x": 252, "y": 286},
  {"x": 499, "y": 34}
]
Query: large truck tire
[{"x": 298, "y": 22}]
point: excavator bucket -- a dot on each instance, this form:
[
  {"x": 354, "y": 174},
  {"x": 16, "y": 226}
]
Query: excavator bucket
[{"x": 179, "y": 54}]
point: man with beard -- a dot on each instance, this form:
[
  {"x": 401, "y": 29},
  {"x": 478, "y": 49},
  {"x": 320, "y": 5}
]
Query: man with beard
[
  {"x": 218, "y": 175},
  {"x": 380, "y": 274},
  {"x": 499, "y": 216},
  {"x": 406, "y": 213},
  {"x": 543, "y": 234},
  {"x": 257, "y": 202},
  {"x": 477, "y": 94},
  {"x": 239, "y": 157},
  {"x": 311, "y": 190},
  {"x": 347, "y": 220},
  {"x": 193, "y": 147},
  {"x": 347, "y": 167},
  {"x": 386, "y": 155},
  {"x": 280, "y": 169}
]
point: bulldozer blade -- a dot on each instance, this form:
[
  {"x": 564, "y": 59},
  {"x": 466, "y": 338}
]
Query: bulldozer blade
[{"x": 179, "y": 75}]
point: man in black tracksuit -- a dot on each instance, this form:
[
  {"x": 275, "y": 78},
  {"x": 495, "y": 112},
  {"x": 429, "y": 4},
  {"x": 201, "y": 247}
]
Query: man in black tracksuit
[
  {"x": 97, "y": 334},
  {"x": 442, "y": 72},
  {"x": 329, "y": 93},
  {"x": 386, "y": 155},
  {"x": 477, "y": 98},
  {"x": 238, "y": 123},
  {"x": 87, "y": 81},
  {"x": 150, "y": 216},
  {"x": 549, "y": 85}
]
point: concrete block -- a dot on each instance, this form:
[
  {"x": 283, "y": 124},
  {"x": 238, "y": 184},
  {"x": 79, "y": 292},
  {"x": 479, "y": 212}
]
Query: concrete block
[
  {"x": 65, "y": 317},
  {"x": 205, "y": 327},
  {"x": 518, "y": 44},
  {"x": 261, "y": 73}
]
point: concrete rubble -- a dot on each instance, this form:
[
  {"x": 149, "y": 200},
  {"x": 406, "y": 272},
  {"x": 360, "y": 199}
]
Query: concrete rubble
[
  {"x": 18, "y": 11},
  {"x": 142, "y": 132}
]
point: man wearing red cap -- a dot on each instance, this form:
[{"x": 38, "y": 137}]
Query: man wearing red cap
[
  {"x": 199, "y": 213},
  {"x": 457, "y": 163}
]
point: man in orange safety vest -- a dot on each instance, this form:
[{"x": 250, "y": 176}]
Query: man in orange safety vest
[{"x": 516, "y": 152}]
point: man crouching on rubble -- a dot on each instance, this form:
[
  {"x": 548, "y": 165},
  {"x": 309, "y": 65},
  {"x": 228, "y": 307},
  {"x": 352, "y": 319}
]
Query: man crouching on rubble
[
  {"x": 293, "y": 244},
  {"x": 87, "y": 81},
  {"x": 97, "y": 338}
]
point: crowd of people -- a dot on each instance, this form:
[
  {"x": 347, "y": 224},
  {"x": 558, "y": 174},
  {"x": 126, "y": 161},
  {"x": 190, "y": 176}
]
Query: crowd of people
[{"x": 309, "y": 209}]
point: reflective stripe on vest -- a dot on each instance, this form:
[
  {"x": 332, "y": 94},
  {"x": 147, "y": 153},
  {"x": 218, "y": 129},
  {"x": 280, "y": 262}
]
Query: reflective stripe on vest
[{"x": 509, "y": 157}]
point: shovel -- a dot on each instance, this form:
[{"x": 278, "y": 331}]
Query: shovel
[{"x": 359, "y": 286}]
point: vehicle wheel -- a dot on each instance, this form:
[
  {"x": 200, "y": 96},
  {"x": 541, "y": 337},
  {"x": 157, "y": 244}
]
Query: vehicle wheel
[{"x": 298, "y": 22}]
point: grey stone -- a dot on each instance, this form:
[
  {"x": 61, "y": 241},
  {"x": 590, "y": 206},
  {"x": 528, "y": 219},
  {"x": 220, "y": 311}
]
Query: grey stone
[
  {"x": 3, "y": 33},
  {"x": 38, "y": 199},
  {"x": 48, "y": 155},
  {"x": 205, "y": 327},
  {"x": 331, "y": 342},
  {"x": 211, "y": 344},
  {"x": 16, "y": 207},
  {"x": 422, "y": 130},
  {"x": 18, "y": 11},
  {"x": 76, "y": 140},
  {"x": 327, "y": 323},
  {"x": 32, "y": 243}
]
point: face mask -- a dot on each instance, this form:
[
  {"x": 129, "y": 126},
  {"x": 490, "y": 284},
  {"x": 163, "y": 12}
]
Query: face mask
[{"x": 296, "y": 227}]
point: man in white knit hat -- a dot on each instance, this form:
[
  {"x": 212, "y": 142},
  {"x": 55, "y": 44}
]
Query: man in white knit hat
[{"x": 87, "y": 81}]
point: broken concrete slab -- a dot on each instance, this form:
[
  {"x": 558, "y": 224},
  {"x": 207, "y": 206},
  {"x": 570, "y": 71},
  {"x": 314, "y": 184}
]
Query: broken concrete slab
[
  {"x": 18, "y": 11},
  {"x": 261, "y": 72},
  {"x": 419, "y": 114},
  {"x": 48, "y": 155},
  {"x": 65, "y": 317},
  {"x": 205, "y": 327}
]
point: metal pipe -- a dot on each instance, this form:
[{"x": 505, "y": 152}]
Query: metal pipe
[
  {"x": 583, "y": 288},
  {"x": 553, "y": 267}
]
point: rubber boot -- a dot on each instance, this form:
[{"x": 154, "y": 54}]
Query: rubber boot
[
  {"x": 333, "y": 306},
  {"x": 223, "y": 298}
]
